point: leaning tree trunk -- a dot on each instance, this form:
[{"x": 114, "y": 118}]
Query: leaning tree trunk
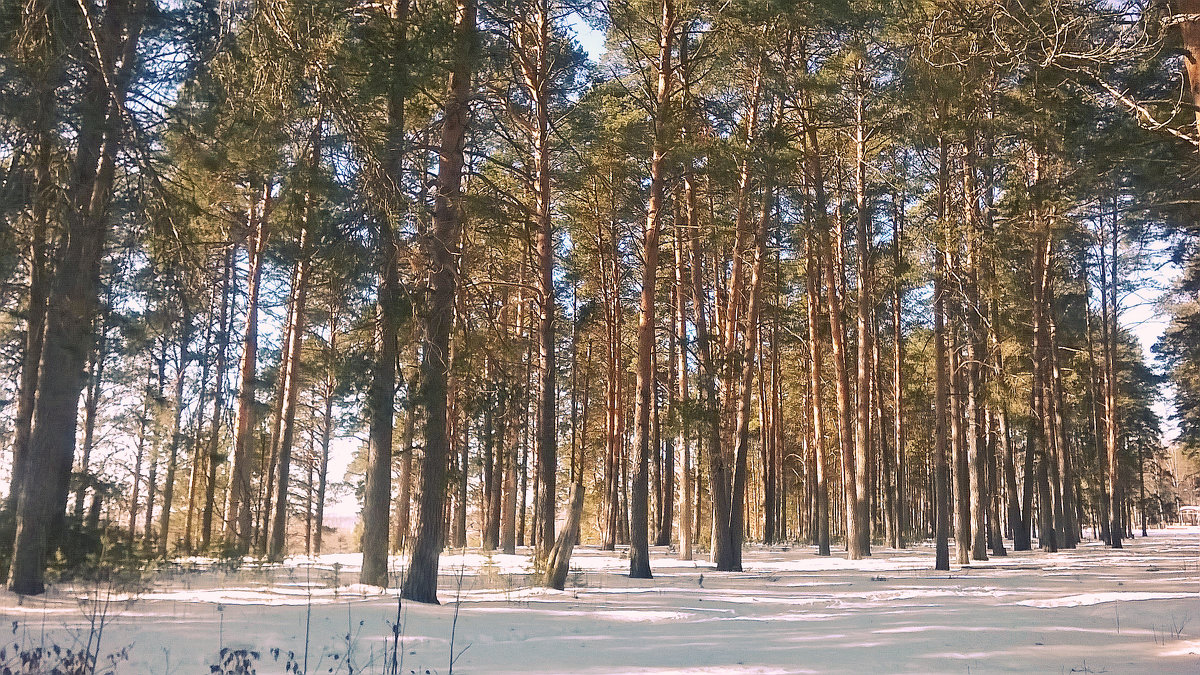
[
  {"x": 558, "y": 562},
  {"x": 441, "y": 247}
]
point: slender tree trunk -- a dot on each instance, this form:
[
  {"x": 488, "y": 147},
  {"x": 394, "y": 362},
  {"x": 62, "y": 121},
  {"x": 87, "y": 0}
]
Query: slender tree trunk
[
  {"x": 197, "y": 468},
  {"x": 214, "y": 437},
  {"x": 941, "y": 487},
  {"x": 718, "y": 469},
  {"x": 1108, "y": 339},
  {"x": 181, "y": 363},
  {"x": 91, "y": 403},
  {"x": 862, "y": 422},
  {"x": 815, "y": 359},
  {"x": 639, "y": 552},
  {"x": 238, "y": 512},
  {"x": 291, "y": 389},
  {"x": 899, "y": 430},
  {"x": 137, "y": 462},
  {"x": 742, "y": 435},
  {"x": 533, "y": 42},
  {"x": 975, "y": 441}
]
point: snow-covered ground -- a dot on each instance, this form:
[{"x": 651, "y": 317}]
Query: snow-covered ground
[{"x": 1093, "y": 609}]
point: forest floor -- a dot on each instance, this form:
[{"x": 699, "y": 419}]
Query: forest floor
[{"x": 1089, "y": 610}]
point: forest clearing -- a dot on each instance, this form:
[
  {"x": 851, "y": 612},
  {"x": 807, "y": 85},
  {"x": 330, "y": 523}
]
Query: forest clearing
[{"x": 1089, "y": 610}]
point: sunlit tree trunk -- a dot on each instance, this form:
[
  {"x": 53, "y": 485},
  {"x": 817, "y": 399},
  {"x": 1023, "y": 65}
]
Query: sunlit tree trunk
[
  {"x": 238, "y": 511},
  {"x": 863, "y": 235},
  {"x": 639, "y": 553},
  {"x": 382, "y": 391},
  {"x": 441, "y": 246}
]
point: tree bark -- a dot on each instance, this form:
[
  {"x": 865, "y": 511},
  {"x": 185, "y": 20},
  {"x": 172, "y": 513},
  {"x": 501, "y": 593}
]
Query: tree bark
[
  {"x": 238, "y": 511},
  {"x": 441, "y": 246},
  {"x": 291, "y": 389},
  {"x": 862, "y": 421},
  {"x": 639, "y": 551},
  {"x": 941, "y": 491},
  {"x": 181, "y": 363}
]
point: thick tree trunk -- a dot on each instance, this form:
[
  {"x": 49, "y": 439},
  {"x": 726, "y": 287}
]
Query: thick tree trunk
[
  {"x": 441, "y": 246},
  {"x": 381, "y": 395},
  {"x": 72, "y": 301},
  {"x": 40, "y": 276}
]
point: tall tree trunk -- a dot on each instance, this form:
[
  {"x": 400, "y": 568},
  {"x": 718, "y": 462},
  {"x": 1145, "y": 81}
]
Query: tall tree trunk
[
  {"x": 181, "y": 364},
  {"x": 214, "y": 437},
  {"x": 238, "y": 511},
  {"x": 40, "y": 273},
  {"x": 71, "y": 305},
  {"x": 1108, "y": 339},
  {"x": 862, "y": 421},
  {"x": 381, "y": 395},
  {"x": 1068, "y": 527},
  {"x": 639, "y": 552},
  {"x": 941, "y": 487},
  {"x": 737, "y": 512},
  {"x": 533, "y": 46},
  {"x": 975, "y": 437},
  {"x": 899, "y": 430},
  {"x": 815, "y": 359},
  {"x": 683, "y": 420},
  {"x": 441, "y": 247},
  {"x": 291, "y": 390},
  {"x": 710, "y": 433}
]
